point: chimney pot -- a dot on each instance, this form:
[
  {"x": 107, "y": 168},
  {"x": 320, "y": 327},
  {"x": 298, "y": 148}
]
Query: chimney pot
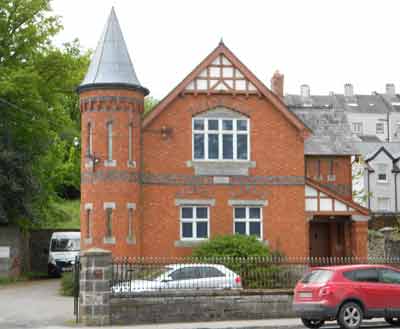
[
  {"x": 277, "y": 83},
  {"x": 305, "y": 90},
  {"x": 390, "y": 89},
  {"x": 348, "y": 90}
]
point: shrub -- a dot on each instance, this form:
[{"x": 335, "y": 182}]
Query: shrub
[
  {"x": 232, "y": 246},
  {"x": 246, "y": 256},
  {"x": 67, "y": 284}
]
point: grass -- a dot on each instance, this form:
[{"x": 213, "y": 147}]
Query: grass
[
  {"x": 71, "y": 215},
  {"x": 67, "y": 284},
  {"x": 22, "y": 278}
]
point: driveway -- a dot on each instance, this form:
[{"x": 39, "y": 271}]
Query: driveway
[{"x": 35, "y": 304}]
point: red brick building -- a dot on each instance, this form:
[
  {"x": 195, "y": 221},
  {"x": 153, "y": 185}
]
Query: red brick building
[{"x": 220, "y": 154}]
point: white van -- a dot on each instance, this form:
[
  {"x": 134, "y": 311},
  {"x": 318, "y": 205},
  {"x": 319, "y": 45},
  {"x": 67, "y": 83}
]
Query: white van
[{"x": 63, "y": 249}]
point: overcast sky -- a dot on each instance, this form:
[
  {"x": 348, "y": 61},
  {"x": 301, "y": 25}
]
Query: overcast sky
[{"x": 322, "y": 43}]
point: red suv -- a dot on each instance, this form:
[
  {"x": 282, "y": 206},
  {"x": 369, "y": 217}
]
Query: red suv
[{"x": 348, "y": 294}]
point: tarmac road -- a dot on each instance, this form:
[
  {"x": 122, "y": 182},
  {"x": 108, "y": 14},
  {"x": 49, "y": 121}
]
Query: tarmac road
[{"x": 38, "y": 304}]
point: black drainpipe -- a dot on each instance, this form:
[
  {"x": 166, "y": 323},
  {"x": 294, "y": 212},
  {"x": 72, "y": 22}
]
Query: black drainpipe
[
  {"x": 395, "y": 190},
  {"x": 368, "y": 189}
]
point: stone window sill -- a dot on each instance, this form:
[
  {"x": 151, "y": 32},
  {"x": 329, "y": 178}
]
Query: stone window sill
[
  {"x": 109, "y": 240},
  {"x": 88, "y": 240},
  {"x": 188, "y": 243},
  {"x": 110, "y": 163},
  {"x": 221, "y": 168},
  {"x": 131, "y": 164},
  {"x": 130, "y": 240}
]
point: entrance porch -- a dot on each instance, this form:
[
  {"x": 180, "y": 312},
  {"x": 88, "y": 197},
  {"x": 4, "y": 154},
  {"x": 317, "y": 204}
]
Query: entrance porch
[{"x": 336, "y": 227}]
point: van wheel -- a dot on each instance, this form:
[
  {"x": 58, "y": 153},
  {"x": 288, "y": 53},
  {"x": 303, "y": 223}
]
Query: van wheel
[
  {"x": 312, "y": 323},
  {"x": 395, "y": 322},
  {"x": 350, "y": 316}
]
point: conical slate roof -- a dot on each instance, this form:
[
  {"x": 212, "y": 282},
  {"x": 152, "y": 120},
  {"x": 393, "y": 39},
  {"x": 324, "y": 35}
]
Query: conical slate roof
[{"x": 111, "y": 65}]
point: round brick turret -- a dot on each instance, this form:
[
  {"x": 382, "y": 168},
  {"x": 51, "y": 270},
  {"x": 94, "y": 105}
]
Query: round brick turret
[{"x": 111, "y": 104}]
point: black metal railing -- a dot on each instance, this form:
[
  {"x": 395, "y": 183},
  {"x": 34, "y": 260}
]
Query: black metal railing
[{"x": 151, "y": 274}]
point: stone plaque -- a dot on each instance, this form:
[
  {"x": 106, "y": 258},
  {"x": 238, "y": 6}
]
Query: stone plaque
[{"x": 4, "y": 252}]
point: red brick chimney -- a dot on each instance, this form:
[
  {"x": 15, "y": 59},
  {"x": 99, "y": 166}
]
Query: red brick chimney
[{"x": 277, "y": 83}]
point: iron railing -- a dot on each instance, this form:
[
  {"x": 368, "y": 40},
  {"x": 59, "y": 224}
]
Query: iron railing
[{"x": 150, "y": 274}]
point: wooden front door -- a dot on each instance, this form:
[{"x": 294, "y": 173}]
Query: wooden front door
[{"x": 319, "y": 240}]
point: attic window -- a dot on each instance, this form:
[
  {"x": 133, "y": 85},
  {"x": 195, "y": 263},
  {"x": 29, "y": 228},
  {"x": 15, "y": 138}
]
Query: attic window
[
  {"x": 221, "y": 139},
  {"x": 382, "y": 173}
]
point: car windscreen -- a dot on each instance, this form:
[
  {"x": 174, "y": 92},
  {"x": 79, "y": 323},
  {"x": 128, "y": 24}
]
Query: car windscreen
[
  {"x": 317, "y": 276},
  {"x": 65, "y": 245},
  {"x": 156, "y": 273}
]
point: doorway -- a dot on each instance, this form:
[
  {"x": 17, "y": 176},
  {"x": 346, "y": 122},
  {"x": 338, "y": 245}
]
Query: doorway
[{"x": 319, "y": 240}]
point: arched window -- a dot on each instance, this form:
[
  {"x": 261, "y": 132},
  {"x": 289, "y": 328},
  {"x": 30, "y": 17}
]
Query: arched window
[{"x": 221, "y": 135}]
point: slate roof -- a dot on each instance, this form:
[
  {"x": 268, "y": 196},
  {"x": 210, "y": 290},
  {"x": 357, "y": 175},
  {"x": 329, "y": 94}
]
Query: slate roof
[
  {"x": 111, "y": 64},
  {"x": 374, "y": 103},
  {"x": 331, "y": 132},
  {"x": 369, "y": 149},
  {"x": 326, "y": 116}
]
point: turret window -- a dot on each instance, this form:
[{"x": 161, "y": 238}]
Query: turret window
[
  {"x": 221, "y": 139},
  {"x": 109, "y": 141},
  {"x": 109, "y": 209},
  {"x": 109, "y": 162},
  {"x": 130, "y": 128},
  {"x": 89, "y": 139},
  {"x": 131, "y": 233},
  {"x": 88, "y": 222}
]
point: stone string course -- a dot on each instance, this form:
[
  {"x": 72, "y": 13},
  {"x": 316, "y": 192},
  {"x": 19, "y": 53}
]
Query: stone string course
[{"x": 176, "y": 179}]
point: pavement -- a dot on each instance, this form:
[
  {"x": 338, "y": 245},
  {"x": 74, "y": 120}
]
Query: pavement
[{"x": 37, "y": 305}]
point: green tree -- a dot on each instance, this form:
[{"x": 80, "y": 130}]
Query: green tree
[
  {"x": 149, "y": 104},
  {"x": 39, "y": 129}
]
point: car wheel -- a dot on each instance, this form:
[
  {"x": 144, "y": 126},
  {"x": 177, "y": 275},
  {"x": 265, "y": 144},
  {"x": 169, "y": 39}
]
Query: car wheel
[
  {"x": 393, "y": 321},
  {"x": 309, "y": 323},
  {"x": 350, "y": 316}
]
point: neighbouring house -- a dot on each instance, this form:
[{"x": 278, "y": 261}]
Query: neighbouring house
[
  {"x": 371, "y": 118},
  {"x": 220, "y": 154},
  {"x": 379, "y": 181}
]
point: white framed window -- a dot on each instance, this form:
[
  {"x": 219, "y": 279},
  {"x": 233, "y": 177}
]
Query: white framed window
[
  {"x": 383, "y": 204},
  {"x": 248, "y": 221},
  {"x": 380, "y": 128},
  {"x": 217, "y": 139},
  {"x": 357, "y": 127},
  {"x": 195, "y": 222},
  {"x": 382, "y": 173}
]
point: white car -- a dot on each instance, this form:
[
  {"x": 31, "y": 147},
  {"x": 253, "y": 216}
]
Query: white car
[{"x": 182, "y": 276}]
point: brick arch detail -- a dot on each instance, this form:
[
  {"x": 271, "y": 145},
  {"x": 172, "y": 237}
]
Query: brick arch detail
[{"x": 233, "y": 104}]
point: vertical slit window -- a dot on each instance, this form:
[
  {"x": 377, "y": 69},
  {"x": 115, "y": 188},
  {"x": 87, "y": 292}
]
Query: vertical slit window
[
  {"x": 130, "y": 224},
  {"x": 130, "y": 142},
  {"x": 89, "y": 139},
  {"x": 109, "y": 140},
  {"x": 88, "y": 223},
  {"x": 109, "y": 222}
]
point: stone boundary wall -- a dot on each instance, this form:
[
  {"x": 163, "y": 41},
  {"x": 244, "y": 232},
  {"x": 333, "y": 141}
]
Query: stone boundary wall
[
  {"x": 98, "y": 307},
  {"x": 379, "y": 246},
  {"x": 201, "y": 306}
]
